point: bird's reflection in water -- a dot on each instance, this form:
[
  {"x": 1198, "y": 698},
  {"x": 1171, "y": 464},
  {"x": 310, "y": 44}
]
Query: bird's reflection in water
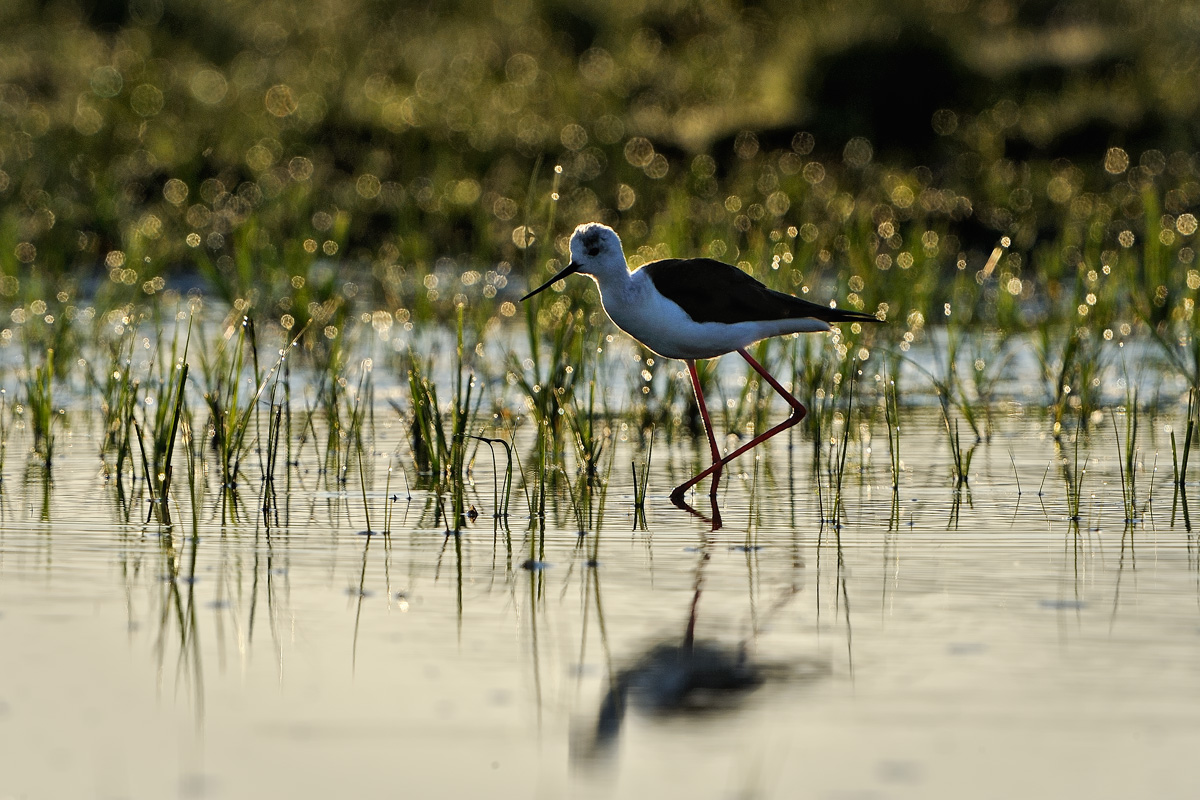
[
  {"x": 683, "y": 680},
  {"x": 688, "y": 677},
  {"x": 670, "y": 678}
]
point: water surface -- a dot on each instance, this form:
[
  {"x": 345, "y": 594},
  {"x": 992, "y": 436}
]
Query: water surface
[{"x": 954, "y": 643}]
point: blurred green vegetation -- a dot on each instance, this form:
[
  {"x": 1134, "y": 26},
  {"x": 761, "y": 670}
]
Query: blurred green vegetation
[{"x": 405, "y": 158}]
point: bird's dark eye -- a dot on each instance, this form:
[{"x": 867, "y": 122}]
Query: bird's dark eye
[{"x": 593, "y": 251}]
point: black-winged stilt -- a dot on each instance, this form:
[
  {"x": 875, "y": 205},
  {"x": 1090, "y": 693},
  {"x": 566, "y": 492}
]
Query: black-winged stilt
[{"x": 690, "y": 308}]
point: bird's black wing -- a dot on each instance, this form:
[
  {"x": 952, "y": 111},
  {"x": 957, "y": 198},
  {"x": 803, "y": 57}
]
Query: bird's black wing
[{"x": 713, "y": 291}]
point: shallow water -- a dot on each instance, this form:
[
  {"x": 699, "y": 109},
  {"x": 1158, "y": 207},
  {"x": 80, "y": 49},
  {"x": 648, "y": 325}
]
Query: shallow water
[{"x": 975, "y": 643}]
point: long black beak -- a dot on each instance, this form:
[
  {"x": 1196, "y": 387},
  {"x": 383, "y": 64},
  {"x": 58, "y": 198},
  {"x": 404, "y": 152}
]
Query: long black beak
[{"x": 569, "y": 269}]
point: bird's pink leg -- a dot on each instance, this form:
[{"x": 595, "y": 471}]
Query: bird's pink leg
[
  {"x": 708, "y": 428},
  {"x": 798, "y": 413},
  {"x": 798, "y": 409},
  {"x": 677, "y": 495}
]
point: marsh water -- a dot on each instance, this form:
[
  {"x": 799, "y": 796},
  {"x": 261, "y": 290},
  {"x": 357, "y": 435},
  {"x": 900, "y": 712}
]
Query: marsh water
[{"x": 936, "y": 642}]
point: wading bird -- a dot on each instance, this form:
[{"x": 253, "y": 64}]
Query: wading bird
[{"x": 690, "y": 308}]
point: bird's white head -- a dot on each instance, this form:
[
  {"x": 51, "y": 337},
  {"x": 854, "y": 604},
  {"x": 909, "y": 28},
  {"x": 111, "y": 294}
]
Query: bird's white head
[{"x": 595, "y": 250}]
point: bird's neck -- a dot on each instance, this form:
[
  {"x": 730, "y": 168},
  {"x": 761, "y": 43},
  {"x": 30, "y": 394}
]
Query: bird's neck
[{"x": 616, "y": 280}]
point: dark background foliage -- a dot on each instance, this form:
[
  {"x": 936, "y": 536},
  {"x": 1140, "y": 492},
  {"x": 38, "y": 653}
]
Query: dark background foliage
[{"x": 248, "y": 141}]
